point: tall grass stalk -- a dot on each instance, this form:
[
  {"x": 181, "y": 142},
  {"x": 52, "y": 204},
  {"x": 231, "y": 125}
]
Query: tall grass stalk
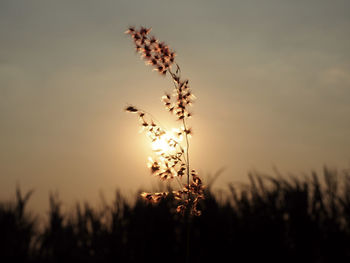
[{"x": 172, "y": 158}]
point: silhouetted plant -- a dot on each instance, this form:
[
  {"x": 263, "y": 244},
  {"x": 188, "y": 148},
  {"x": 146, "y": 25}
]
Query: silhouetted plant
[
  {"x": 17, "y": 229},
  {"x": 173, "y": 159}
]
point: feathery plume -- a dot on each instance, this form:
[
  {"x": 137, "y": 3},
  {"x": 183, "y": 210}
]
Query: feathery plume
[{"x": 172, "y": 153}]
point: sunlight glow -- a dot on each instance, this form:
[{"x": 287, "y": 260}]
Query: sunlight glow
[{"x": 166, "y": 143}]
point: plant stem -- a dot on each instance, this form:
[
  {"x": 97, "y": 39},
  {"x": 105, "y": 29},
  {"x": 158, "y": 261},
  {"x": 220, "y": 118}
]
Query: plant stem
[
  {"x": 187, "y": 153},
  {"x": 187, "y": 161},
  {"x": 188, "y": 195}
]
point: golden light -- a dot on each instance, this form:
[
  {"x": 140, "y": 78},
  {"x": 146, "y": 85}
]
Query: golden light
[{"x": 167, "y": 143}]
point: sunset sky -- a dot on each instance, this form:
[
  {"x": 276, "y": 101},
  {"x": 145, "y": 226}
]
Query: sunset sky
[{"x": 272, "y": 81}]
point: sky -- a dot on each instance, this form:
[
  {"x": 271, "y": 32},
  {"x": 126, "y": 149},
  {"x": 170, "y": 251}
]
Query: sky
[{"x": 272, "y": 81}]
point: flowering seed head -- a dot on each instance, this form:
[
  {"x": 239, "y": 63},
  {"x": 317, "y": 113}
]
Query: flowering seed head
[{"x": 171, "y": 158}]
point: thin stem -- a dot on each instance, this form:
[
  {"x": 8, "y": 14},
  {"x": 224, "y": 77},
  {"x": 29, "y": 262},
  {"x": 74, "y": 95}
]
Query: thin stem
[
  {"x": 187, "y": 161},
  {"x": 186, "y": 157},
  {"x": 187, "y": 153}
]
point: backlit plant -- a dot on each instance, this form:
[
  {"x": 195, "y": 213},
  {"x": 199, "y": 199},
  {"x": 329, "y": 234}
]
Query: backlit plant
[{"x": 171, "y": 148}]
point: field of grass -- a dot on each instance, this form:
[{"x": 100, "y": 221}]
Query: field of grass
[{"x": 277, "y": 219}]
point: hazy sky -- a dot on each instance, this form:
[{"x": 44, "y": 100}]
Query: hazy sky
[{"x": 272, "y": 80}]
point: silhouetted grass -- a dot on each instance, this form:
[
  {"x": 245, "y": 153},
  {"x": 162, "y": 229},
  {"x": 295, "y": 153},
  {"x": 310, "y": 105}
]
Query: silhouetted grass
[
  {"x": 172, "y": 158},
  {"x": 17, "y": 230},
  {"x": 276, "y": 219}
]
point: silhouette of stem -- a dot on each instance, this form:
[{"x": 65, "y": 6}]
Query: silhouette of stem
[
  {"x": 169, "y": 165},
  {"x": 188, "y": 194},
  {"x": 187, "y": 154}
]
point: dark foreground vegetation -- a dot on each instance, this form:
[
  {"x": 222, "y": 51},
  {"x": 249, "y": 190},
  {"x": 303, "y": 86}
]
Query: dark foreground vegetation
[{"x": 272, "y": 219}]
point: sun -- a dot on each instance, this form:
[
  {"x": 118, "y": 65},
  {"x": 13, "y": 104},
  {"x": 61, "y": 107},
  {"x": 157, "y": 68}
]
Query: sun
[{"x": 166, "y": 143}]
